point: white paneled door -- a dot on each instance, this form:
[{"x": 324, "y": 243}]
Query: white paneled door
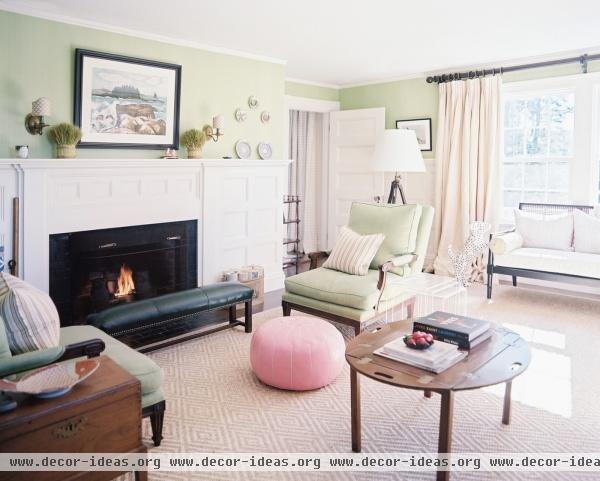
[{"x": 352, "y": 135}]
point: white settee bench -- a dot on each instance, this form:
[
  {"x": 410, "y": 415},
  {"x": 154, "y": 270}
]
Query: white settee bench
[{"x": 552, "y": 242}]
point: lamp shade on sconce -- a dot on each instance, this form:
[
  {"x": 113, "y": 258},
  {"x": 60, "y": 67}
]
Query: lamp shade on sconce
[
  {"x": 218, "y": 122},
  {"x": 397, "y": 150},
  {"x": 41, "y": 107}
]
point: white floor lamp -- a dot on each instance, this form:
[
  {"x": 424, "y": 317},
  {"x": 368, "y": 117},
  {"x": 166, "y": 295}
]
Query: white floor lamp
[{"x": 397, "y": 150}]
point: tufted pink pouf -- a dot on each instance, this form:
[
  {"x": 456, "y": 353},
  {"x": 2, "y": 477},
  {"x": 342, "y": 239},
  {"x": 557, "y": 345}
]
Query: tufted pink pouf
[{"x": 297, "y": 353}]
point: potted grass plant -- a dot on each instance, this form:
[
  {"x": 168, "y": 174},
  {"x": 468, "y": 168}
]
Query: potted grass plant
[
  {"x": 193, "y": 140},
  {"x": 65, "y": 136}
]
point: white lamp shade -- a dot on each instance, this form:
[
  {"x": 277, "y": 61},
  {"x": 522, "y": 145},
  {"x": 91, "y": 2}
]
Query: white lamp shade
[
  {"x": 41, "y": 107},
  {"x": 218, "y": 121},
  {"x": 397, "y": 150}
]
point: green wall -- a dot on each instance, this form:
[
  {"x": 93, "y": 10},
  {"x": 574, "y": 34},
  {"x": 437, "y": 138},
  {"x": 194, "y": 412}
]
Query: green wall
[
  {"x": 403, "y": 100},
  {"x": 37, "y": 60},
  {"x": 415, "y": 98},
  {"x": 311, "y": 91}
]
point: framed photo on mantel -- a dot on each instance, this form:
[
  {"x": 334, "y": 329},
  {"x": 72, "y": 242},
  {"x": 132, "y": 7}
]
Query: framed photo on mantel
[
  {"x": 421, "y": 127},
  {"x": 124, "y": 102}
]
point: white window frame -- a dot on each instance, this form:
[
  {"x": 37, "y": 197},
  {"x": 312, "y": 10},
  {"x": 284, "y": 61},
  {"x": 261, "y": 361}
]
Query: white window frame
[{"x": 584, "y": 168}]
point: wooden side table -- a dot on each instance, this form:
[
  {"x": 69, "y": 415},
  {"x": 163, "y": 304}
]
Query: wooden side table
[
  {"x": 499, "y": 360},
  {"x": 100, "y": 415}
]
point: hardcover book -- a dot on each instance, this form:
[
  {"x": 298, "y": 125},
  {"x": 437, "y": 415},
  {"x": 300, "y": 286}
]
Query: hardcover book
[
  {"x": 465, "y": 344},
  {"x": 430, "y": 356},
  {"x": 446, "y": 356},
  {"x": 452, "y": 326}
]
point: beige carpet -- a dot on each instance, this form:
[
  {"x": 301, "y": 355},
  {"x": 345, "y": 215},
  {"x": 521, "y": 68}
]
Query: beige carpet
[{"x": 215, "y": 404}]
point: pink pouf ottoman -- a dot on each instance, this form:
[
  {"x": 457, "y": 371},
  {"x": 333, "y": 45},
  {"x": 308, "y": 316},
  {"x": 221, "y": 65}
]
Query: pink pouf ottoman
[{"x": 297, "y": 353}]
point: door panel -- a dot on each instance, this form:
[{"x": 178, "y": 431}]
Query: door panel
[{"x": 352, "y": 135}]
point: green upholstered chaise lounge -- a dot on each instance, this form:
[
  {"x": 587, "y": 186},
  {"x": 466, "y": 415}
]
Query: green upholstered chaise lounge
[
  {"x": 359, "y": 300},
  {"x": 88, "y": 341}
]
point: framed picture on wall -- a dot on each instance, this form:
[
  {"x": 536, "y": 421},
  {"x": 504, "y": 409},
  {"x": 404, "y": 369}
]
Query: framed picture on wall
[
  {"x": 124, "y": 102},
  {"x": 421, "y": 127}
]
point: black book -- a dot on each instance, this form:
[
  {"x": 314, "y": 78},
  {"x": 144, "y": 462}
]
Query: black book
[
  {"x": 450, "y": 327},
  {"x": 461, "y": 344}
]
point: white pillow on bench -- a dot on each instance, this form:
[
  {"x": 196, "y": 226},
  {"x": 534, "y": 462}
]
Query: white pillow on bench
[
  {"x": 587, "y": 233},
  {"x": 545, "y": 231}
]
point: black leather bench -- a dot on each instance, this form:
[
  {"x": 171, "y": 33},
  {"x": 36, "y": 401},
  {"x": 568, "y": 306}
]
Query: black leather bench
[{"x": 168, "y": 310}]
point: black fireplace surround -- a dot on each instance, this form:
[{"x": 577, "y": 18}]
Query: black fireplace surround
[{"x": 93, "y": 270}]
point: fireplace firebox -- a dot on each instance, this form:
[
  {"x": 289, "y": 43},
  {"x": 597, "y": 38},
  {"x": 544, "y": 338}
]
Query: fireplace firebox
[{"x": 93, "y": 270}]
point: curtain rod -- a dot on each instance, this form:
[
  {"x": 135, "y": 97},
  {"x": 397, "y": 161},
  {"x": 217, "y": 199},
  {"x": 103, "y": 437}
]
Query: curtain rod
[{"x": 582, "y": 60}]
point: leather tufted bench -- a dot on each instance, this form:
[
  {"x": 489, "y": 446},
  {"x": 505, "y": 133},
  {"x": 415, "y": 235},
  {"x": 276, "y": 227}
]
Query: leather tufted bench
[{"x": 162, "y": 311}]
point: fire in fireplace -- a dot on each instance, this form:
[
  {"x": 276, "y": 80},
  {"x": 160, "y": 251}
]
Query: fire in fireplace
[
  {"x": 125, "y": 284},
  {"x": 93, "y": 270}
]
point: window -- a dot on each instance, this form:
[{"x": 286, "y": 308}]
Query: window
[{"x": 539, "y": 140}]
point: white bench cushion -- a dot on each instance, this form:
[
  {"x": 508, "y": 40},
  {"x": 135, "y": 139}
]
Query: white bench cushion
[{"x": 550, "y": 260}]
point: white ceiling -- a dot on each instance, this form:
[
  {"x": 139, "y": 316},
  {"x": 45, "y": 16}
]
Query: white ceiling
[{"x": 345, "y": 42}]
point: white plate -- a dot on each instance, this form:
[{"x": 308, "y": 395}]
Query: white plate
[
  {"x": 252, "y": 102},
  {"x": 52, "y": 380},
  {"x": 265, "y": 151},
  {"x": 240, "y": 115},
  {"x": 243, "y": 149}
]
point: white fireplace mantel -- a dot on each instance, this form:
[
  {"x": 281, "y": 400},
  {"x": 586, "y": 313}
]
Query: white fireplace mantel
[{"x": 238, "y": 205}]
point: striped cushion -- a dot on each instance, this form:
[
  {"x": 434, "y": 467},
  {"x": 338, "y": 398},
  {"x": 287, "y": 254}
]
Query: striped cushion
[
  {"x": 353, "y": 252},
  {"x": 30, "y": 317}
]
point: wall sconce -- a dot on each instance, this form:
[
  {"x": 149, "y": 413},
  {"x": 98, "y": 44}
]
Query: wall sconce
[
  {"x": 214, "y": 132},
  {"x": 34, "y": 122}
]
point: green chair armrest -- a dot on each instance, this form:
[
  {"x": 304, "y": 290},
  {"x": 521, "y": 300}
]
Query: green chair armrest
[
  {"x": 42, "y": 357},
  {"x": 390, "y": 265},
  {"x": 403, "y": 260},
  {"x": 30, "y": 360}
]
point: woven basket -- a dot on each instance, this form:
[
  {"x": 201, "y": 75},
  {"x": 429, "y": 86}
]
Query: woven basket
[
  {"x": 194, "y": 153},
  {"x": 66, "y": 152}
]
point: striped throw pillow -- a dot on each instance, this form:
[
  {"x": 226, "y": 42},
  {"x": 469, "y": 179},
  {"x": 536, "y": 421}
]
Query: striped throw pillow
[
  {"x": 353, "y": 252},
  {"x": 30, "y": 316}
]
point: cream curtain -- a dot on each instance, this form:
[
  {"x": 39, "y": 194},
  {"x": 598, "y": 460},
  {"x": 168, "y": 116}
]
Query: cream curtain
[
  {"x": 306, "y": 149},
  {"x": 467, "y": 162}
]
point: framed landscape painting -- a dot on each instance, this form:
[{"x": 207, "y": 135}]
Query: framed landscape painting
[
  {"x": 422, "y": 129},
  {"x": 126, "y": 102}
]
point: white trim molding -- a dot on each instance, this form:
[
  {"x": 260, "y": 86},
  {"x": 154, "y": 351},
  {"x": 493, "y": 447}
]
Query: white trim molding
[
  {"x": 19, "y": 8},
  {"x": 313, "y": 83},
  {"x": 310, "y": 105}
]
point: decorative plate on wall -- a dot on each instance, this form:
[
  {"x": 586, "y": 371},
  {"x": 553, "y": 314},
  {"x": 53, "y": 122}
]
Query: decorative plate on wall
[
  {"x": 265, "y": 116},
  {"x": 252, "y": 102},
  {"x": 265, "y": 151},
  {"x": 243, "y": 149},
  {"x": 240, "y": 115}
]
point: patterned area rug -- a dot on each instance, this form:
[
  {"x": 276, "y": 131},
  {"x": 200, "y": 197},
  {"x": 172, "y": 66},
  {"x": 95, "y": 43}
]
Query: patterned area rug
[{"x": 215, "y": 404}]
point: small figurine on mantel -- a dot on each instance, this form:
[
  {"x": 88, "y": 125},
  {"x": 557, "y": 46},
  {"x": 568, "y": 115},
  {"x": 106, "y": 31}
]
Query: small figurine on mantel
[{"x": 170, "y": 154}]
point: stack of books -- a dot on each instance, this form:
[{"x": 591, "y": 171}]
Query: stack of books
[
  {"x": 465, "y": 332},
  {"x": 437, "y": 358}
]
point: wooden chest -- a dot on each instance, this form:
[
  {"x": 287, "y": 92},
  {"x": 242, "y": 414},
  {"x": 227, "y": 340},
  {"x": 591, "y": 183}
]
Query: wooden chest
[{"x": 101, "y": 414}]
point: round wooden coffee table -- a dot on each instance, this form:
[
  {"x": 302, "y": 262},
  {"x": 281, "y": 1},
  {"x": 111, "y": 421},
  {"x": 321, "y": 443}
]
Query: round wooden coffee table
[{"x": 499, "y": 360}]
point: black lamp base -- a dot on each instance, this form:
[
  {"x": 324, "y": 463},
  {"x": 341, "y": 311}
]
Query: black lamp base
[{"x": 396, "y": 188}]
